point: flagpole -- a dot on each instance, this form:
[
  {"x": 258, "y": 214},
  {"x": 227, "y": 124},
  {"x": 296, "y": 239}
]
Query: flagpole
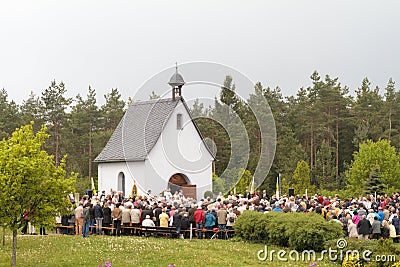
[{"x": 277, "y": 188}]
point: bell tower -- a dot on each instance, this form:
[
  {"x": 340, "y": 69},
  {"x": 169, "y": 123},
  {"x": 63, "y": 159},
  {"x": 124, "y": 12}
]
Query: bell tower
[{"x": 176, "y": 82}]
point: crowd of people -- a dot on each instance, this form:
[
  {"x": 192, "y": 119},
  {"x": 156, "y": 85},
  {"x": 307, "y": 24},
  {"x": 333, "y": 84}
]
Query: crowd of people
[
  {"x": 108, "y": 212},
  {"x": 363, "y": 217}
]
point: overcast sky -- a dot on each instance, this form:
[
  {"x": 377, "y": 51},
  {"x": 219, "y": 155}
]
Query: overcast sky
[{"x": 108, "y": 44}]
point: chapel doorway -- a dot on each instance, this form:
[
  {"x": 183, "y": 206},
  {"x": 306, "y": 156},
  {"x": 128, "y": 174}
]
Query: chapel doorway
[{"x": 180, "y": 181}]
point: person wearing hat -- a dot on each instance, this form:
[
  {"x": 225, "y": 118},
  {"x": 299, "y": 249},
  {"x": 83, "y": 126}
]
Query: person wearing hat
[{"x": 148, "y": 222}]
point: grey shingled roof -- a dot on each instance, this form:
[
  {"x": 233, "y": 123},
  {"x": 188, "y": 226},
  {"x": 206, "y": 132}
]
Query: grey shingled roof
[{"x": 138, "y": 131}]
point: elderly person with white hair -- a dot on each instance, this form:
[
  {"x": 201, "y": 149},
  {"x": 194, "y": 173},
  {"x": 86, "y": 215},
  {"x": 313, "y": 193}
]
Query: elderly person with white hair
[
  {"x": 392, "y": 233},
  {"x": 352, "y": 229}
]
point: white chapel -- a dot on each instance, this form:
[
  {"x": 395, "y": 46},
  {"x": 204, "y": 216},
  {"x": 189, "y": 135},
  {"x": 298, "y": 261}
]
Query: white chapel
[{"x": 157, "y": 145}]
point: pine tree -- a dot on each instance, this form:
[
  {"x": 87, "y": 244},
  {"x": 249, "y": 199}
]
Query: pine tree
[
  {"x": 54, "y": 113},
  {"x": 374, "y": 185},
  {"x": 9, "y": 115}
]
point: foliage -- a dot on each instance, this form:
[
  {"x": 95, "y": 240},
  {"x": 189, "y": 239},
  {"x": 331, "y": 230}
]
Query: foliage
[
  {"x": 218, "y": 184},
  {"x": 352, "y": 261},
  {"x": 374, "y": 185},
  {"x": 380, "y": 247},
  {"x": 9, "y": 117},
  {"x": 250, "y": 226},
  {"x": 298, "y": 231},
  {"x": 82, "y": 184},
  {"x": 301, "y": 179},
  {"x": 33, "y": 188},
  {"x": 321, "y": 124},
  {"x": 342, "y": 193},
  {"x": 244, "y": 180},
  {"x": 30, "y": 181},
  {"x": 54, "y": 105},
  {"x": 370, "y": 155},
  {"x": 208, "y": 194}
]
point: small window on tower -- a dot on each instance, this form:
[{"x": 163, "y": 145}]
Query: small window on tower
[{"x": 179, "y": 121}]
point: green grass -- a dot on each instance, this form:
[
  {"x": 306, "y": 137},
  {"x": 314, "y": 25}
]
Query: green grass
[{"x": 62, "y": 250}]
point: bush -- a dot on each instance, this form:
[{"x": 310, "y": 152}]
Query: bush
[
  {"x": 299, "y": 231},
  {"x": 208, "y": 194},
  {"x": 277, "y": 229},
  {"x": 311, "y": 231},
  {"x": 377, "y": 247},
  {"x": 250, "y": 226}
]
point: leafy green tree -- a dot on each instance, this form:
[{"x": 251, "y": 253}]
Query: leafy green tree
[
  {"x": 301, "y": 179},
  {"x": 244, "y": 181},
  {"x": 218, "y": 184},
  {"x": 33, "y": 188},
  {"x": 370, "y": 154}
]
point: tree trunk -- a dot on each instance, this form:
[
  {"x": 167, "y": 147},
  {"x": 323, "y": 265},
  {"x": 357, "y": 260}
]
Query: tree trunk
[
  {"x": 311, "y": 148},
  {"x": 57, "y": 135},
  {"x": 3, "y": 239},
  {"x": 14, "y": 249},
  {"x": 337, "y": 149},
  {"x": 390, "y": 122},
  {"x": 90, "y": 153},
  {"x": 259, "y": 144}
]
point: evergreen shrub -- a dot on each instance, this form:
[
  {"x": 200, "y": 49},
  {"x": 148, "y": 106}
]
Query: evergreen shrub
[{"x": 298, "y": 231}]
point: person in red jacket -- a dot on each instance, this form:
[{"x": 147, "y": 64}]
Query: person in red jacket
[{"x": 199, "y": 218}]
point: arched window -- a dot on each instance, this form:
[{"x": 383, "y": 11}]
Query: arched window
[
  {"x": 179, "y": 121},
  {"x": 121, "y": 182}
]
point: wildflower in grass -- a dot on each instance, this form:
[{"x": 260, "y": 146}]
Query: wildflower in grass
[
  {"x": 312, "y": 264},
  {"x": 106, "y": 264}
]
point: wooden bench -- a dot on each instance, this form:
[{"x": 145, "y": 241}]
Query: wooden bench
[
  {"x": 102, "y": 228},
  {"x": 68, "y": 227},
  {"x": 157, "y": 230},
  {"x": 215, "y": 232}
]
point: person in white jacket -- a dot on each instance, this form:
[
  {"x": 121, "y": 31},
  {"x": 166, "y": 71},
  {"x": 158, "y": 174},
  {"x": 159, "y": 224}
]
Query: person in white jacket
[
  {"x": 148, "y": 222},
  {"x": 392, "y": 232},
  {"x": 352, "y": 229}
]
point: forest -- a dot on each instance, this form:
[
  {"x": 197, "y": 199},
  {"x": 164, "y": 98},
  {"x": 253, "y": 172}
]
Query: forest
[{"x": 319, "y": 132}]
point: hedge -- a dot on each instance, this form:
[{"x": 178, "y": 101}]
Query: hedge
[{"x": 298, "y": 231}]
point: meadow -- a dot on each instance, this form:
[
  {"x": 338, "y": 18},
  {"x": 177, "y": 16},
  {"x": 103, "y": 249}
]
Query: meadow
[{"x": 68, "y": 250}]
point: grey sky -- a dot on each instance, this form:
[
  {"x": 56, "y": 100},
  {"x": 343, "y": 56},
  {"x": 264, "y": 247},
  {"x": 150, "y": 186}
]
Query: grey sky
[{"x": 120, "y": 44}]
